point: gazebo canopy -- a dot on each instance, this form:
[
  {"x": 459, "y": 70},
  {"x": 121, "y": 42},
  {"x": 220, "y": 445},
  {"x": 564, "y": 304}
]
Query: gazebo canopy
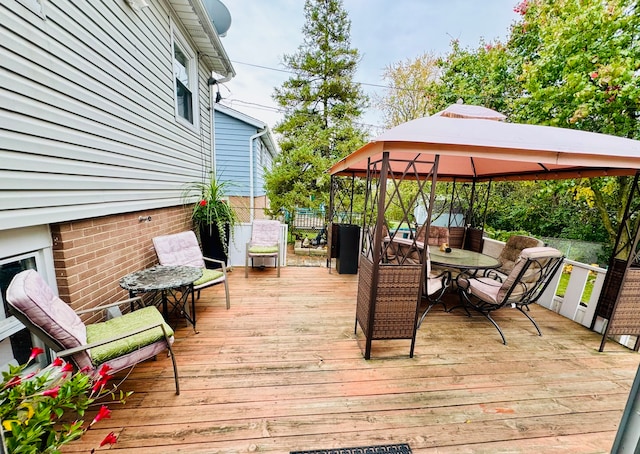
[{"x": 472, "y": 145}]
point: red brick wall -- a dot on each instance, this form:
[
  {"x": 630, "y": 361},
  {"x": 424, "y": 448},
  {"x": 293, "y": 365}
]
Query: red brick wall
[{"x": 92, "y": 255}]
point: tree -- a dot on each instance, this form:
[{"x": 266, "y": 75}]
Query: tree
[
  {"x": 410, "y": 90},
  {"x": 322, "y": 104}
]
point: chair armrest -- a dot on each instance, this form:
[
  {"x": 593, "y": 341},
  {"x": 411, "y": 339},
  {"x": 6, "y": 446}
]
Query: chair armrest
[
  {"x": 219, "y": 262},
  {"x": 492, "y": 274},
  {"x": 106, "y": 306},
  {"x": 73, "y": 351}
]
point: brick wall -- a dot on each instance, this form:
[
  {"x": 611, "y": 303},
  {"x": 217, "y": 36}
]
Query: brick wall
[{"x": 92, "y": 255}]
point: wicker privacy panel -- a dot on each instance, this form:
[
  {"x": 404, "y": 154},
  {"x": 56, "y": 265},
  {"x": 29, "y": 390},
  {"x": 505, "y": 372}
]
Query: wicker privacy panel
[
  {"x": 393, "y": 313},
  {"x": 626, "y": 319}
]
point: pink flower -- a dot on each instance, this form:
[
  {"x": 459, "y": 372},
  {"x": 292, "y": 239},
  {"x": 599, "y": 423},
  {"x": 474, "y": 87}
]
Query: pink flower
[
  {"x": 53, "y": 392},
  {"x": 57, "y": 362},
  {"x": 203, "y": 203},
  {"x": 109, "y": 439},
  {"x": 35, "y": 351},
  {"x": 594, "y": 75},
  {"x": 15, "y": 381},
  {"x": 102, "y": 414}
]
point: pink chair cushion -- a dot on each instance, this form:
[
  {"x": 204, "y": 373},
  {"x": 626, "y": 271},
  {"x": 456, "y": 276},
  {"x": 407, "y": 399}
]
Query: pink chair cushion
[
  {"x": 265, "y": 233},
  {"x": 30, "y": 294},
  {"x": 178, "y": 249}
]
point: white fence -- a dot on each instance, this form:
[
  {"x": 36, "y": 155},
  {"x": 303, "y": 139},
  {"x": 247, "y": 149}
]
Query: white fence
[{"x": 238, "y": 244}]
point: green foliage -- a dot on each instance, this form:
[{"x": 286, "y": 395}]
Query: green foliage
[
  {"x": 39, "y": 410},
  {"x": 322, "y": 104},
  {"x": 566, "y": 63},
  {"x": 211, "y": 208}
]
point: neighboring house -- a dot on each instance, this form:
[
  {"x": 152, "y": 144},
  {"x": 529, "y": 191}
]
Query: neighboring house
[
  {"x": 244, "y": 148},
  {"x": 105, "y": 115}
]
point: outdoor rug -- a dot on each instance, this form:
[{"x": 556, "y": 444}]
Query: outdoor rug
[{"x": 383, "y": 449}]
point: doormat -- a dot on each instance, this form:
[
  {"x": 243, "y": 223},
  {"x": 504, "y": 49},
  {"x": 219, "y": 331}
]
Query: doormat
[{"x": 382, "y": 449}]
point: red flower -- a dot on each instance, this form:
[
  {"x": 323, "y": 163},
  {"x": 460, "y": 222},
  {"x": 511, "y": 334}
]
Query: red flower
[
  {"x": 203, "y": 203},
  {"x": 35, "y": 351},
  {"x": 109, "y": 439},
  {"x": 57, "y": 362},
  {"x": 102, "y": 414},
  {"x": 68, "y": 367},
  {"x": 15, "y": 381},
  {"x": 53, "y": 392},
  {"x": 594, "y": 75},
  {"x": 104, "y": 370}
]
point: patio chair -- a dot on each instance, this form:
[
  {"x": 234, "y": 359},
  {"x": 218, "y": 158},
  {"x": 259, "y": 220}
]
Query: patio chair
[
  {"x": 524, "y": 285},
  {"x": 120, "y": 343},
  {"x": 510, "y": 253},
  {"x": 265, "y": 242},
  {"x": 183, "y": 249},
  {"x": 435, "y": 284}
]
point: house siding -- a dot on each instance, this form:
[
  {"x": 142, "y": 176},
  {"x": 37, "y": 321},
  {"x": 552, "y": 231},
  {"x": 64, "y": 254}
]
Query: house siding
[
  {"x": 232, "y": 153},
  {"x": 87, "y": 120}
]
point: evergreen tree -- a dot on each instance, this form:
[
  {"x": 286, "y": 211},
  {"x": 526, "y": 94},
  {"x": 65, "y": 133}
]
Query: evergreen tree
[{"x": 322, "y": 104}]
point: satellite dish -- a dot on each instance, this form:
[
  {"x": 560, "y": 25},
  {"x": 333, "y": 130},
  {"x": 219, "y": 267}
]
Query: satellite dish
[{"x": 219, "y": 15}]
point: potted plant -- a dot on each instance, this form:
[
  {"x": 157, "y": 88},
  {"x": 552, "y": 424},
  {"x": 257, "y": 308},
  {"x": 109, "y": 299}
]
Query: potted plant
[{"x": 212, "y": 216}]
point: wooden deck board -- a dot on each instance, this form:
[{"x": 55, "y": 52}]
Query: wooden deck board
[{"x": 282, "y": 370}]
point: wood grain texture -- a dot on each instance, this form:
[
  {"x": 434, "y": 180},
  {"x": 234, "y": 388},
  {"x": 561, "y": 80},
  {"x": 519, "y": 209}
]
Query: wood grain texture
[{"x": 282, "y": 370}]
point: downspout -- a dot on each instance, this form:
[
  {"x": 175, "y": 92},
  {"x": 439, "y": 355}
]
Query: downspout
[{"x": 251, "y": 177}]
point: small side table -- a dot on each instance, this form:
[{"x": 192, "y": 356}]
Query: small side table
[{"x": 175, "y": 283}]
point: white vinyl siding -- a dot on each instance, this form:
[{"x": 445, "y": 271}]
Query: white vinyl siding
[{"x": 87, "y": 113}]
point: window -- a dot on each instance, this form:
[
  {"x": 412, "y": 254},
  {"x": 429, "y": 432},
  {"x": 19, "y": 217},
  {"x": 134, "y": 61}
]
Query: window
[
  {"x": 16, "y": 341},
  {"x": 185, "y": 75}
]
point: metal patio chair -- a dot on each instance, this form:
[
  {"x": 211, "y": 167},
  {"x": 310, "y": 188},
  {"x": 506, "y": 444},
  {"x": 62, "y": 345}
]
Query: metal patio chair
[
  {"x": 524, "y": 285},
  {"x": 120, "y": 343},
  {"x": 182, "y": 249},
  {"x": 265, "y": 242}
]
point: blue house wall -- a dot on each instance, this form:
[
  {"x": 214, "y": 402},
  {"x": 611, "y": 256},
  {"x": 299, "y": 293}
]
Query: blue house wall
[{"x": 233, "y": 131}]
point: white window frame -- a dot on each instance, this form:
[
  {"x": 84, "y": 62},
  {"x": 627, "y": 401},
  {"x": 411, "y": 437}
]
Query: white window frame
[{"x": 178, "y": 39}]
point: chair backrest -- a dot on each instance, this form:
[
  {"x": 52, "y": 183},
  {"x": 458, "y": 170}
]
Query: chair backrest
[
  {"x": 438, "y": 235},
  {"x": 512, "y": 249},
  {"x": 530, "y": 275},
  {"x": 35, "y": 304},
  {"x": 265, "y": 232},
  {"x": 178, "y": 249}
]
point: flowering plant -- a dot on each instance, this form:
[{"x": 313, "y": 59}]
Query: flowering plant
[
  {"x": 211, "y": 208},
  {"x": 39, "y": 410}
]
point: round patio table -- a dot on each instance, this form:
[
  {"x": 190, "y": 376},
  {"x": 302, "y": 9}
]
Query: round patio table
[
  {"x": 462, "y": 259},
  {"x": 174, "y": 283}
]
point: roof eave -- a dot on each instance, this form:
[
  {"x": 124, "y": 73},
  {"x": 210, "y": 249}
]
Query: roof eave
[{"x": 194, "y": 18}]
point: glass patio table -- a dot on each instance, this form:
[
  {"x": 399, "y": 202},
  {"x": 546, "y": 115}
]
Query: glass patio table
[
  {"x": 174, "y": 283},
  {"x": 462, "y": 259}
]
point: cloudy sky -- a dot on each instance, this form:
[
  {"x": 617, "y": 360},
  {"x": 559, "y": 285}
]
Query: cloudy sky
[{"x": 383, "y": 31}]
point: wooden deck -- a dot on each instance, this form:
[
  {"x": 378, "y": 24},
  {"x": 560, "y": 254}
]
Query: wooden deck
[{"x": 281, "y": 370}]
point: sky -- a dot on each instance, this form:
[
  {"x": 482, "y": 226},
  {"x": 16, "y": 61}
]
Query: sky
[{"x": 384, "y": 32}]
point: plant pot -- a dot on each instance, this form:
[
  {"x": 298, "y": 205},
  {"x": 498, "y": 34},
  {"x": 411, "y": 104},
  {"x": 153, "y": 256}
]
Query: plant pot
[{"x": 212, "y": 245}]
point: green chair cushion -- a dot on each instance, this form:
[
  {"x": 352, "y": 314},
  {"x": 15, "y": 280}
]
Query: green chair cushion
[
  {"x": 208, "y": 275},
  {"x": 121, "y": 325},
  {"x": 263, "y": 249}
]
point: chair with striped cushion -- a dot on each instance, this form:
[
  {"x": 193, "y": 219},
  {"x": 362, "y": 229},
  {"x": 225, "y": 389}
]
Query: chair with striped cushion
[
  {"x": 182, "y": 249},
  {"x": 265, "y": 242}
]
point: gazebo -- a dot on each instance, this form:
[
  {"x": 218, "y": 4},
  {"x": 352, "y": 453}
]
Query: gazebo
[{"x": 472, "y": 144}]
